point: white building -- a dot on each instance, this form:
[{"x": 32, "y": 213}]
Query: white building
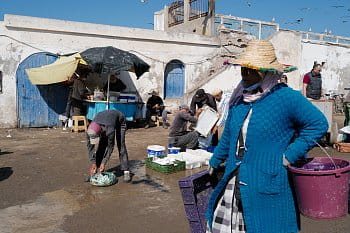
[{"x": 180, "y": 62}]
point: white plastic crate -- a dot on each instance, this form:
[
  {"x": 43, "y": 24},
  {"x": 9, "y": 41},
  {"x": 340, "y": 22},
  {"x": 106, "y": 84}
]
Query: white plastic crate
[{"x": 206, "y": 121}]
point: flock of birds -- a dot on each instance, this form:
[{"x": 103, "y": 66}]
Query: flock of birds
[{"x": 343, "y": 19}]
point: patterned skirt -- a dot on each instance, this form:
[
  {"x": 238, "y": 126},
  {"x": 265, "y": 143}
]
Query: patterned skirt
[{"x": 227, "y": 218}]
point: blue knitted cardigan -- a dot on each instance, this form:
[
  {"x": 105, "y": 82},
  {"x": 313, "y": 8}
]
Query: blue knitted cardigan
[{"x": 268, "y": 205}]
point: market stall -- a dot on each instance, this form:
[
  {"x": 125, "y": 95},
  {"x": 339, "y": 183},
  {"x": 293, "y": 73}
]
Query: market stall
[
  {"x": 111, "y": 61},
  {"x": 102, "y": 64}
]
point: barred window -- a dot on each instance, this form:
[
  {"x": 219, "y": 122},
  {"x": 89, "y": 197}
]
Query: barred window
[
  {"x": 198, "y": 8},
  {"x": 176, "y": 13}
]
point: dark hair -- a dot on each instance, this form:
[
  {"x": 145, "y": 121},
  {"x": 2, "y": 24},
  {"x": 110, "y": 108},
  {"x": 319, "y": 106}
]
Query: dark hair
[
  {"x": 200, "y": 93},
  {"x": 316, "y": 64}
]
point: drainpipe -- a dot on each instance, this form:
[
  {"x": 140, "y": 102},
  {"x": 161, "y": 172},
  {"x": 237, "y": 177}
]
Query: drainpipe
[
  {"x": 187, "y": 8},
  {"x": 212, "y": 17},
  {"x": 166, "y": 18}
]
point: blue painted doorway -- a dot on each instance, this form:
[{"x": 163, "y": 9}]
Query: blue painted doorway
[
  {"x": 174, "y": 83},
  {"x": 39, "y": 105}
]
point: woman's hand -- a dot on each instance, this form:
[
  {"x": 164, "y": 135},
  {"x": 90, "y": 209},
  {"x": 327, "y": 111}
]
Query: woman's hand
[
  {"x": 101, "y": 168},
  {"x": 285, "y": 161}
]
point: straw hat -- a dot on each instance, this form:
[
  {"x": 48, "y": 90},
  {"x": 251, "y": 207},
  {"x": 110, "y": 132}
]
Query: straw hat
[{"x": 260, "y": 55}]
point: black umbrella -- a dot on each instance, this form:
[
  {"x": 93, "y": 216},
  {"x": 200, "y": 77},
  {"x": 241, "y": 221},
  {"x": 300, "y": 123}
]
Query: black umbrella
[{"x": 111, "y": 60}]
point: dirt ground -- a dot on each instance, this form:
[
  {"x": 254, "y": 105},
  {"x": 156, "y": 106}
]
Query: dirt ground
[{"x": 42, "y": 188}]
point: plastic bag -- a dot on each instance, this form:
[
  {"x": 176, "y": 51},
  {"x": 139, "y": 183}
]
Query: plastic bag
[
  {"x": 103, "y": 179},
  {"x": 205, "y": 142}
]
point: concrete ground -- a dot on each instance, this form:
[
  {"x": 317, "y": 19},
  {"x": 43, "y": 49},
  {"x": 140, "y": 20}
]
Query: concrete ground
[{"x": 42, "y": 188}]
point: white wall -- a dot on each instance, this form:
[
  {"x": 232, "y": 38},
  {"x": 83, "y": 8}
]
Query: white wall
[
  {"x": 226, "y": 81},
  {"x": 288, "y": 51},
  {"x": 22, "y": 36},
  {"x": 291, "y": 49},
  {"x": 336, "y": 71}
]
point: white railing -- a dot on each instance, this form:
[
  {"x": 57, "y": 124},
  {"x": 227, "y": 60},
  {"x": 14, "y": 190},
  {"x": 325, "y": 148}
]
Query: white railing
[
  {"x": 324, "y": 37},
  {"x": 257, "y": 28}
]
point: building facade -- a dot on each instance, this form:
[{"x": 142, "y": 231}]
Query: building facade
[{"x": 181, "y": 62}]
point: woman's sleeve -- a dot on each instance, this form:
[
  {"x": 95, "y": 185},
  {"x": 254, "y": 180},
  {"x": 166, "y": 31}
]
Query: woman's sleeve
[
  {"x": 310, "y": 123},
  {"x": 222, "y": 150}
]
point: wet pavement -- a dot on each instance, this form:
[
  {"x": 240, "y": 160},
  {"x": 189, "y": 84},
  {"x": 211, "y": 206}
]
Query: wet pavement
[{"x": 42, "y": 188}]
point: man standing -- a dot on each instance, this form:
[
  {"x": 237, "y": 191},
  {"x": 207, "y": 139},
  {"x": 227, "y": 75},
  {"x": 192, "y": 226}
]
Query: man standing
[
  {"x": 178, "y": 135},
  {"x": 312, "y": 83},
  {"x": 223, "y": 107},
  {"x": 79, "y": 93},
  {"x": 106, "y": 127},
  {"x": 155, "y": 106}
]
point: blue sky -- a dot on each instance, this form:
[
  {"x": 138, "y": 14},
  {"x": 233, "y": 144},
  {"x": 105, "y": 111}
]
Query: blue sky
[{"x": 318, "y": 15}]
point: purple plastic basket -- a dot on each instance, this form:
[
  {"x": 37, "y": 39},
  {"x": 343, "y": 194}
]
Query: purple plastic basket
[{"x": 195, "y": 190}]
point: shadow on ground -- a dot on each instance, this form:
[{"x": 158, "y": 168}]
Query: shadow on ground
[{"x": 5, "y": 172}]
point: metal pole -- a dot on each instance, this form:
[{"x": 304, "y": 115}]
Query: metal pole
[{"x": 108, "y": 81}]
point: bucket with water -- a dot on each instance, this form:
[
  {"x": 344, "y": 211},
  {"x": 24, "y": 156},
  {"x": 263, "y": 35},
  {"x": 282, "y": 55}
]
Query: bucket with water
[{"x": 322, "y": 187}]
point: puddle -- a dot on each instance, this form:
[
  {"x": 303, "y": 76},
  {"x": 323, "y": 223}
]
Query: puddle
[{"x": 45, "y": 215}]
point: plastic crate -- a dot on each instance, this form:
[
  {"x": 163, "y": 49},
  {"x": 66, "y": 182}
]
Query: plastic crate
[
  {"x": 196, "y": 190},
  {"x": 167, "y": 169}
]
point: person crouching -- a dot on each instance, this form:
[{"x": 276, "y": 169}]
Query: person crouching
[{"x": 178, "y": 135}]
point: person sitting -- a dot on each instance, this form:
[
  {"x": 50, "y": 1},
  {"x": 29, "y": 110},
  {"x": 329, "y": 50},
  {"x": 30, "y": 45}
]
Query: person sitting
[
  {"x": 178, "y": 135},
  {"x": 105, "y": 128},
  {"x": 155, "y": 106}
]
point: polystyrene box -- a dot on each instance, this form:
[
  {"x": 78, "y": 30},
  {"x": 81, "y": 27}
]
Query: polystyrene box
[
  {"x": 195, "y": 190},
  {"x": 206, "y": 121}
]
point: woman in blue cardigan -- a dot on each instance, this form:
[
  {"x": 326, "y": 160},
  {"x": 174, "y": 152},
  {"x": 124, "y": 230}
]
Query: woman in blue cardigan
[{"x": 257, "y": 144}]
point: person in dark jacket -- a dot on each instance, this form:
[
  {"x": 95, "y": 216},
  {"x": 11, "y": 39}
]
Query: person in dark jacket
[
  {"x": 106, "y": 127},
  {"x": 155, "y": 106},
  {"x": 312, "y": 83},
  {"x": 200, "y": 99},
  {"x": 179, "y": 136},
  {"x": 79, "y": 93}
]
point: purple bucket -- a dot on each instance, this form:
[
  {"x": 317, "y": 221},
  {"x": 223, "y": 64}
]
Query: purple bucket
[{"x": 322, "y": 190}]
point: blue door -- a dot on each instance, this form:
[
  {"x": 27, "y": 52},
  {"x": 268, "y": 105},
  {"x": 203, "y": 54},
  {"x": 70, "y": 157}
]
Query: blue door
[
  {"x": 174, "y": 80},
  {"x": 39, "y": 105}
]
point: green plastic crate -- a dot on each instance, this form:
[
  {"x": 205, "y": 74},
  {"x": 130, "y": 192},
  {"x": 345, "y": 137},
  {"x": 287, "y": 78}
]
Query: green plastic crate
[{"x": 167, "y": 169}]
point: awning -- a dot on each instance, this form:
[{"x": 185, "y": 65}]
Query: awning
[{"x": 59, "y": 71}]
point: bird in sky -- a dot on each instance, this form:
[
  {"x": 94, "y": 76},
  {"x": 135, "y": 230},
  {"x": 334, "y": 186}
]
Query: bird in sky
[
  {"x": 297, "y": 21},
  {"x": 305, "y": 9},
  {"x": 248, "y": 3}
]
